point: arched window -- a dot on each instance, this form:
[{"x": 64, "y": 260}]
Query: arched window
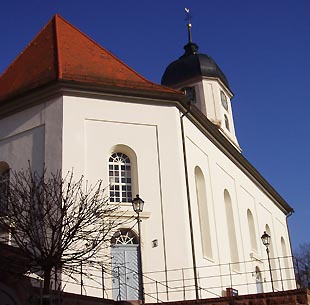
[
  {"x": 4, "y": 187},
  {"x": 273, "y": 259},
  {"x": 285, "y": 259},
  {"x": 120, "y": 178},
  {"x": 226, "y": 122},
  {"x": 252, "y": 232},
  {"x": 124, "y": 237},
  {"x": 234, "y": 257},
  {"x": 203, "y": 213}
]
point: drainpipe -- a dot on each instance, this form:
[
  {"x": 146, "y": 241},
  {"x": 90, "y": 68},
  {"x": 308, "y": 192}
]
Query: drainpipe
[
  {"x": 189, "y": 205},
  {"x": 290, "y": 242}
]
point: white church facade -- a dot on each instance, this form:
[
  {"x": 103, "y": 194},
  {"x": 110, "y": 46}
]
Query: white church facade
[{"x": 69, "y": 103}]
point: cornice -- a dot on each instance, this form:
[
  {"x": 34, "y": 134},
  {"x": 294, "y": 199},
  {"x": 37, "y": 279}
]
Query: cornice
[
  {"x": 216, "y": 137},
  {"x": 59, "y": 88}
]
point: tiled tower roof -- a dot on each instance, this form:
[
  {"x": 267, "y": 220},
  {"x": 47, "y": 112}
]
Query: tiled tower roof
[{"x": 61, "y": 52}]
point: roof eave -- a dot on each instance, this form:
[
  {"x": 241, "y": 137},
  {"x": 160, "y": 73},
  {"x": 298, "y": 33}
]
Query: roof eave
[
  {"x": 59, "y": 88},
  {"x": 206, "y": 126},
  {"x": 127, "y": 91}
]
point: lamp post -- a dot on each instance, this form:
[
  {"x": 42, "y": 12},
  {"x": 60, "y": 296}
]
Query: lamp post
[
  {"x": 266, "y": 242},
  {"x": 137, "y": 204}
]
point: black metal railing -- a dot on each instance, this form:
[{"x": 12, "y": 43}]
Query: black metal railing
[{"x": 214, "y": 280}]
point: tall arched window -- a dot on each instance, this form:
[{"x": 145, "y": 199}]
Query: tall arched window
[
  {"x": 120, "y": 178},
  {"x": 252, "y": 232},
  {"x": 203, "y": 213},
  {"x": 232, "y": 239},
  {"x": 273, "y": 259},
  {"x": 4, "y": 187},
  {"x": 286, "y": 259}
]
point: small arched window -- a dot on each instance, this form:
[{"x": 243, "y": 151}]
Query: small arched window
[
  {"x": 4, "y": 187},
  {"x": 120, "y": 178},
  {"x": 226, "y": 122}
]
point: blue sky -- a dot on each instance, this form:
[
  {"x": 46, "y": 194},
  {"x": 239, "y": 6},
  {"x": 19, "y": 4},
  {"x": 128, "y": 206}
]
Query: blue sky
[{"x": 263, "y": 47}]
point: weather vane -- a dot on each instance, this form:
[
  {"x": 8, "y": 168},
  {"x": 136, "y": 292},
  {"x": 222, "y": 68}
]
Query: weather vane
[{"x": 189, "y": 25}]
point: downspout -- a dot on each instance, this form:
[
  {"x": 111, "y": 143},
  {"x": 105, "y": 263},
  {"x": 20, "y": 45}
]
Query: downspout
[
  {"x": 288, "y": 229},
  {"x": 289, "y": 240},
  {"x": 189, "y": 205}
]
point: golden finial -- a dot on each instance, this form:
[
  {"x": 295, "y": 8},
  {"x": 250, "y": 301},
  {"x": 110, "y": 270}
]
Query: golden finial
[{"x": 189, "y": 25}]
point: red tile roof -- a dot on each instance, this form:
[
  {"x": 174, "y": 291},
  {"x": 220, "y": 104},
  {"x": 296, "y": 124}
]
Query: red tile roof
[{"x": 62, "y": 52}]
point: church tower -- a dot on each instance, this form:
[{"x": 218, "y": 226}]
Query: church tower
[{"x": 204, "y": 83}]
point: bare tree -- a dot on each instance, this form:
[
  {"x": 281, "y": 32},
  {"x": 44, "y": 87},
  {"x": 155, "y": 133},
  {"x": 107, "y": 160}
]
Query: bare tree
[
  {"x": 58, "y": 223},
  {"x": 302, "y": 264}
]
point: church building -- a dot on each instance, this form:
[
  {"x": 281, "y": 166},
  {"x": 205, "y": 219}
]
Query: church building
[{"x": 68, "y": 103}]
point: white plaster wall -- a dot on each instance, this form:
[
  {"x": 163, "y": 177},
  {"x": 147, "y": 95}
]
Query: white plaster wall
[
  {"x": 92, "y": 127},
  {"x": 79, "y": 133},
  {"x": 220, "y": 174},
  {"x": 34, "y": 135}
]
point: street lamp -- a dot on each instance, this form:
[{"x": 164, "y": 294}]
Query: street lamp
[
  {"x": 137, "y": 204},
  {"x": 266, "y": 242}
]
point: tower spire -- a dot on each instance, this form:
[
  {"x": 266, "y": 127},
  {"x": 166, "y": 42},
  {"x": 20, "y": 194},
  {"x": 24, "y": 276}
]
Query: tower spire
[
  {"x": 189, "y": 25},
  {"x": 190, "y": 47}
]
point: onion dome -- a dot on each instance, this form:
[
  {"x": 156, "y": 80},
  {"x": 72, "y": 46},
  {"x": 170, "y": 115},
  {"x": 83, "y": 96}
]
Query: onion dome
[{"x": 192, "y": 64}]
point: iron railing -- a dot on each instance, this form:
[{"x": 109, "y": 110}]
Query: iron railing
[{"x": 214, "y": 280}]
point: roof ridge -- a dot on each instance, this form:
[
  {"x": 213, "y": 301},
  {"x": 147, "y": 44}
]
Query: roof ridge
[
  {"x": 60, "y": 51},
  {"x": 110, "y": 53},
  {"x": 57, "y": 53}
]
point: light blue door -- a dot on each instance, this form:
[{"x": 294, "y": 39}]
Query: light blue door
[
  {"x": 125, "y": 275},
  {"x": 259, "y": 281}
]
